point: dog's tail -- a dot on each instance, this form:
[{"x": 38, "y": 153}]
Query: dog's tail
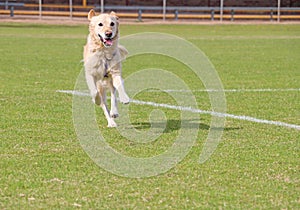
[{"x": 123, "y": 52}]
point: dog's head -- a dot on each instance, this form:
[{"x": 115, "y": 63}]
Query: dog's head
[{"x": 104, "y": 27}]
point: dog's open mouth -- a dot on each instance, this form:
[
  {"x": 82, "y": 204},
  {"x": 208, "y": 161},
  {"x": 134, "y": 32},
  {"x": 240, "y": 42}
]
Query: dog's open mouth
[{"x": 106, "y": 41}]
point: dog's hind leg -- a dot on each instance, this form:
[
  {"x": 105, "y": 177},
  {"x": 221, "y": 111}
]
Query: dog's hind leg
[
  {"x": 93, "y": 89},
  {"x": 111, "y": 122},
  {"x": 118, "y": 84}
]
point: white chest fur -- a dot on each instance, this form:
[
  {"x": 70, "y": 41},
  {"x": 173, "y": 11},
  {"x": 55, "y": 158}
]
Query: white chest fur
[{"x": 97, "y": 65}]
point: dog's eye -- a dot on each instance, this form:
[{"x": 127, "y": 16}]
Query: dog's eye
[
  {"x": 100, "y": 24},
  {"x": 112, "y": 24}
]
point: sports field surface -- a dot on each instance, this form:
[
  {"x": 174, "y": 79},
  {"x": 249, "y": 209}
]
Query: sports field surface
[{"x": 255, "y": 165}]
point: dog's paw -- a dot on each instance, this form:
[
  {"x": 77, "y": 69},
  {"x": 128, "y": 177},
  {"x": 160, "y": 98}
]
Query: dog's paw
[
  {"x": 114, "y": 115},
  {"x": 112, "y": 124},
  {"x": 124, "y": 98},
  {"x": 96, "y": 99}
]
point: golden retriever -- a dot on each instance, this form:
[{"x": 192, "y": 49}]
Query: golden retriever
[{"x": 102, "y": 62}]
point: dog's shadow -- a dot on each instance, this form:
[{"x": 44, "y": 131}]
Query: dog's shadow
[{"x": 173, "y": 125}]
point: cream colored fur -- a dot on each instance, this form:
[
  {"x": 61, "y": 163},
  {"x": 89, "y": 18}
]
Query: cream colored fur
[{"x": 102, "y": 63}]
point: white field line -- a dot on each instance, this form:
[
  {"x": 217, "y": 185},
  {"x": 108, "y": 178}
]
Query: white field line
[
  {"x": 193, "y": 110},
  {"x": 231, "y": 90}
]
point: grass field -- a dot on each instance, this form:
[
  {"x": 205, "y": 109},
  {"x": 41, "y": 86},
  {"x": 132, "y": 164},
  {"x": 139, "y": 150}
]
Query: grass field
[{"x": 256, "y": 165}]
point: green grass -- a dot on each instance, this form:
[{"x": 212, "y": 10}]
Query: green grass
[{"x": 256, "y": 166}]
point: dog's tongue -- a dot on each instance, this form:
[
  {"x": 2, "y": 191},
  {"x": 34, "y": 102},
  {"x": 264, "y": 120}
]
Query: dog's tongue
[{"x": 108, "y": 42}]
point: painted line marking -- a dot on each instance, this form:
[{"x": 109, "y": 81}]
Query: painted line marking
[
  {"x": 193, "y": 110},
  {"x": 232, "y": 90}
]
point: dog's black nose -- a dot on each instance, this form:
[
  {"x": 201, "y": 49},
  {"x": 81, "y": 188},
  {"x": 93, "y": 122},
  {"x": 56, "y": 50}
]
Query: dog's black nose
[{"x": 108, "y": 34}]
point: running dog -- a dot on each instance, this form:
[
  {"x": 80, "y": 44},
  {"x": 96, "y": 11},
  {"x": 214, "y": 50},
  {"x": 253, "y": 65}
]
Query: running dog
[{"x": 102, "y": 62}]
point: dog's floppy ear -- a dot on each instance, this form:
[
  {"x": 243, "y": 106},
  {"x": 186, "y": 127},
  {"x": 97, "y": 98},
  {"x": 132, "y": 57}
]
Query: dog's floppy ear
[
  {"x": 112, "y": 13},
  {"x": 91, "y": 14}
]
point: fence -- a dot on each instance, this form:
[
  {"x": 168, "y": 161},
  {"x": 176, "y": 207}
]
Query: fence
[{"x": 163, "y": 12}]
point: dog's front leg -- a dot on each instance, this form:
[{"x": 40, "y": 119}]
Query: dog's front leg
[
  {"x": 114, "y": 107},
  {"x": 93, "y": 89},
  {"x": 118, "y": 84}
]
